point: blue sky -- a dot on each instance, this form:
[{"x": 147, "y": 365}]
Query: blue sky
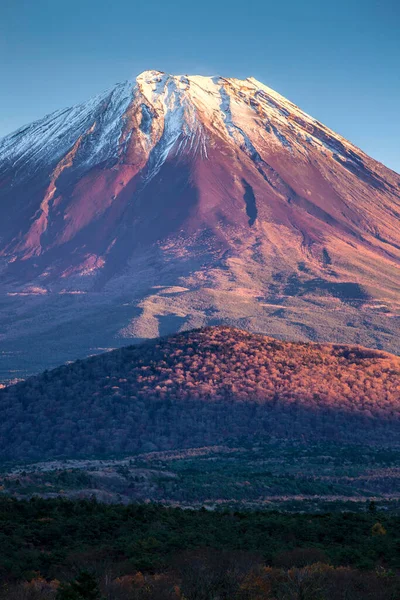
[{"x": 339, "y": 61}]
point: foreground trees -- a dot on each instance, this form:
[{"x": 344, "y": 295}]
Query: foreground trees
[
  {"x": 82, "y": 550},
  {"x": 219, "y": 581}
]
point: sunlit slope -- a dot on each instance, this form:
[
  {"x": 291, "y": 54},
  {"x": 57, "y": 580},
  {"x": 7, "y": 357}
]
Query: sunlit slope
[{"x": 199, "y": 388}]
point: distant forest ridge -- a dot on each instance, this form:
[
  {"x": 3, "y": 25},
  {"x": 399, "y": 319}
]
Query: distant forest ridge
[{"x": 199, "y": 388}]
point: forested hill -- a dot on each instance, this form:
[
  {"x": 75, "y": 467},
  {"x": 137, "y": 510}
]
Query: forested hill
[{"x": 202, "y": 387}]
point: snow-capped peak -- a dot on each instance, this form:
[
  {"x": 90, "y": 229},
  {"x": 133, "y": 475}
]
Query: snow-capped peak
[
  {"x": 185, "y": 103},
  {"x": 218, "y": 187}
]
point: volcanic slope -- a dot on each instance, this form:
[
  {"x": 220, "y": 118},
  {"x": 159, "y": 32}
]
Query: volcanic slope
[
  {"x": 200, "y": 388},
  {"x": 172, "y": 202}
]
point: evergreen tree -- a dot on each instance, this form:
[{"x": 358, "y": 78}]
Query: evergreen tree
[{"x": 83, "y": 588}]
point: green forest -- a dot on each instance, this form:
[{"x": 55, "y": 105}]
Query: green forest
[{"x": 76, "y": 550}]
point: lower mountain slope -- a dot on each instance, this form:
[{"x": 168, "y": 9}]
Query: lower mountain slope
[{"x": 200, "y": 388}]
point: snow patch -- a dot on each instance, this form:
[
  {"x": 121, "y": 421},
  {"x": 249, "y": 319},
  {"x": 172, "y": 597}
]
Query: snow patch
[
  {"x": 281, "y": 137},
  {"x": 236, "y": 133},
  {"x": 46, "y": 141}
]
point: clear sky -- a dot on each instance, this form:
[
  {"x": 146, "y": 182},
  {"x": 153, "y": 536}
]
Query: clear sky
[{"x": 339, "y": 61}]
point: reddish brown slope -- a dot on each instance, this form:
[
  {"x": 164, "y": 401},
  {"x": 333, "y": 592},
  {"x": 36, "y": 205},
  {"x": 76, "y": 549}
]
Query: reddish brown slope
[
  {"x": 199, "y": 200},
  {"x": 199, "y": 388}
]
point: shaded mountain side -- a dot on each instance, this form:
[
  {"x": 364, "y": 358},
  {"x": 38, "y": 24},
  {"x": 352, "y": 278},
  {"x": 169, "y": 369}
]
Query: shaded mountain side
[
  {"x": 200, "y": 388},
  {"x": 175, "y": 202}
]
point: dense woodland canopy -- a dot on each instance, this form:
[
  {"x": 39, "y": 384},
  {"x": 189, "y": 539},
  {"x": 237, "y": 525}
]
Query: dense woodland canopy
[
  {"x": 140, "y": 552},
  {"x": 198, "y": 388}
]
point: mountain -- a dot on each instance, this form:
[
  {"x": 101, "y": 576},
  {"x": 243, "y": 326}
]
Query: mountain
[
  {"x": 201, "y": 388},
  {"x": 173, "y": 202}
]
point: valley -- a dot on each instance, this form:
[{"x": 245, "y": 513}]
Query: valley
[{"x": 275, "y": 475}]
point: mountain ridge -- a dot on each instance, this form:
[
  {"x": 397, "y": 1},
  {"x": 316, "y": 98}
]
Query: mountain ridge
[{"x": 200, "y": 388}]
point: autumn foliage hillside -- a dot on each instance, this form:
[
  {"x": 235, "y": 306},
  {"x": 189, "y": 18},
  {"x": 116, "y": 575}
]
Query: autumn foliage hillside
[{"x": 202, "y": 387}]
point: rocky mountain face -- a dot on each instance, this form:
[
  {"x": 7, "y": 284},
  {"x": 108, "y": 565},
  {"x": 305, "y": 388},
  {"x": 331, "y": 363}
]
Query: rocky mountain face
[{"x": 173, "y": 202}]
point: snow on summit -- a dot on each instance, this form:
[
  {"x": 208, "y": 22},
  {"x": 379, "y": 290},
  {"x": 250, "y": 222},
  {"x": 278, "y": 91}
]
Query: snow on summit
[{"x": 182, "y": 99}]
